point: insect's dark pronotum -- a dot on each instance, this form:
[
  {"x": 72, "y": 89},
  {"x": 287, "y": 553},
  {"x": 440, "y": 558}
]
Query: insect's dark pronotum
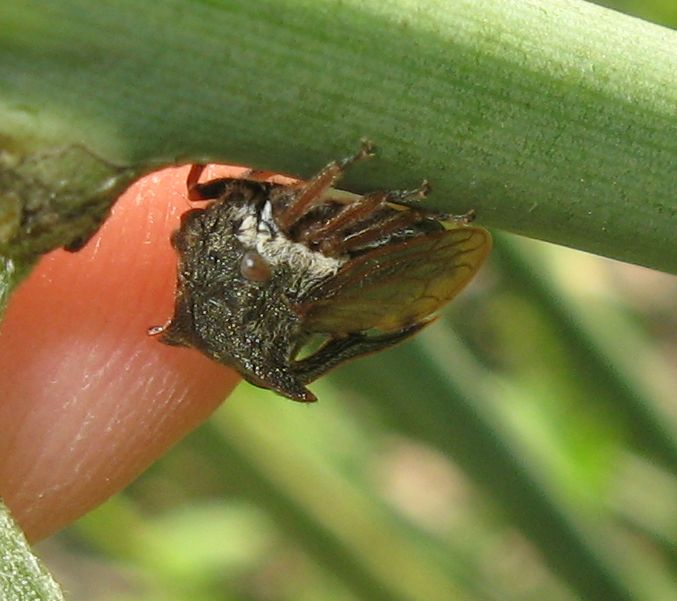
[{"x": 265, "y": 268}]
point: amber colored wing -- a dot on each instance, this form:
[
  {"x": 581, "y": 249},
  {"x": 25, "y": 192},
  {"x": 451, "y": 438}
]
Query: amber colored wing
[{"x": 398, "y": 284}]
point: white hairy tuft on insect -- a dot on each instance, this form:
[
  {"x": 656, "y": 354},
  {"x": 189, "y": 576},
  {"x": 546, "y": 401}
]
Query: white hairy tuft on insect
[{"x": 259, "y": 231}]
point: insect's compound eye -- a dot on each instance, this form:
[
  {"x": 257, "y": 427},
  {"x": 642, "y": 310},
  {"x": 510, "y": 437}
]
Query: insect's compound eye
[{"x": 254, "y": 267}]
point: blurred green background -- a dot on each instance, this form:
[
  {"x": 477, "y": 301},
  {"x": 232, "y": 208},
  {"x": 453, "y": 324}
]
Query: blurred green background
[{"x": 522, "y": 448}]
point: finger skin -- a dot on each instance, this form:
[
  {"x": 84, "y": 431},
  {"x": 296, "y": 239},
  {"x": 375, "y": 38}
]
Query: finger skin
[{"x": 87, "y": 399}]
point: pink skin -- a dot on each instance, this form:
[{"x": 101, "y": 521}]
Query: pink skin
[{"x": 88, "y": 399}]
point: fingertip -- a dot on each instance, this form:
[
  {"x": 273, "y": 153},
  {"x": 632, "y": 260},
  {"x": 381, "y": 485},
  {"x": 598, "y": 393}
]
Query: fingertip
[{"x": 89, "y": 399}]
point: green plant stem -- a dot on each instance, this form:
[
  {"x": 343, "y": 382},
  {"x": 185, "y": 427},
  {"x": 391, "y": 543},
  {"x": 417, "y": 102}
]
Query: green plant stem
[
  {"x": 555, "y": 119},
  {"x": 22, "y": 576}
]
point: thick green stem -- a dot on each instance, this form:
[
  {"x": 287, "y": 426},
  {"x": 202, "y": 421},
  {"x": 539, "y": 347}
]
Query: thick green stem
[{"x": 556, "y": 119}]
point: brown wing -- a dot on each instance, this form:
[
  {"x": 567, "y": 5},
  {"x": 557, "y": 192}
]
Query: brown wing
[{"x": 397, "y": 284}]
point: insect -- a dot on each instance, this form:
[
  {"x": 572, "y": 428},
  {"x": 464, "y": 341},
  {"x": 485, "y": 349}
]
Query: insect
[{"x": 266, "y": 268}]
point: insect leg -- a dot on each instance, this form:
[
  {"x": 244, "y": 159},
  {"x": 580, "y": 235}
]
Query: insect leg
[
  {"x": 258, "y": 175},
  {"x": 351, "y": 214},
  {"x": 314, "y": 189},
  {"x": 339, "y": 350},
  {"x": 329, "y": 233},
  {"x": 410, "y": 198},
  {"x": 214, "y": 188},
  {"x": 375, "y": 230}
]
